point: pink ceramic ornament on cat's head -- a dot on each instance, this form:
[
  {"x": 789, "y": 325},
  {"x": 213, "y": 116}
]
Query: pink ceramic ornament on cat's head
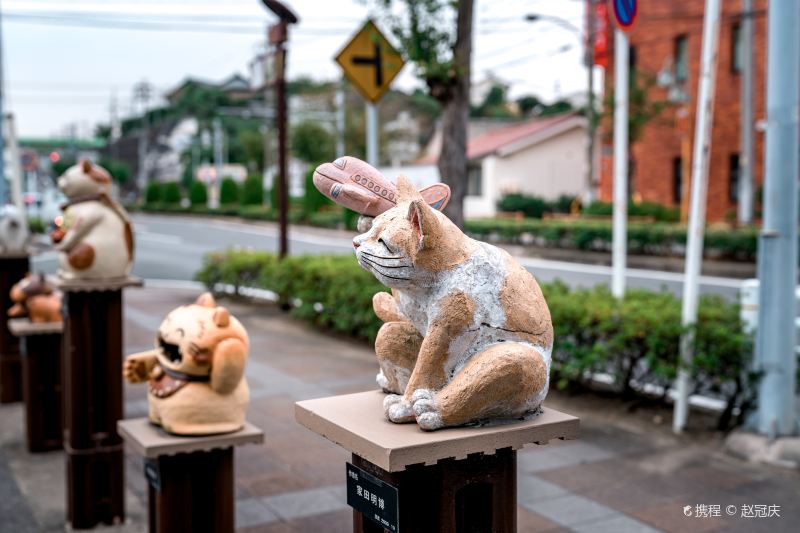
[{"x": 356, "y": 185}]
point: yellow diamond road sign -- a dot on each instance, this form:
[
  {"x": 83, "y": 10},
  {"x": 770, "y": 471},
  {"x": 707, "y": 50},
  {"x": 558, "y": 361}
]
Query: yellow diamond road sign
[{"x": 370, "y": 62}]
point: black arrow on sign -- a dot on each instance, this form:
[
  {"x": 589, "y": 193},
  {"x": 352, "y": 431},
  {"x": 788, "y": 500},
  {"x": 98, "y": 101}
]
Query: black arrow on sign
[{"x": 375, "y": 61}]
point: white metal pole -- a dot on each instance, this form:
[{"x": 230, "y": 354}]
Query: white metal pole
[
  {"x": 697, "y": 208},
  {"x": 777, "y": 248},
  {"x": 340, "y": 119},
  {"x": 213, "y": 198},
  {"x": 620, "y": 233},
  {"x": 372, "y": 134},
  {"x": 747, "y": 155},
  {"x": 3, "y": 187}
]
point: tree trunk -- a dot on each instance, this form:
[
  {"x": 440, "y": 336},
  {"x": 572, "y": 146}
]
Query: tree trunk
[{"x": 455, "y": 117}]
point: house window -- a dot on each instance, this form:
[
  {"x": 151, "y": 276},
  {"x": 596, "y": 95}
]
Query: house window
[
  {"x": 680, "y": 59},
  {"x": 677, "y": 180},
  {"x": 632, "y": 58},
  {"x": 736, "y": 49},
  {"x": 733, "y": 179},
  {"x": 475, "y": 179}
]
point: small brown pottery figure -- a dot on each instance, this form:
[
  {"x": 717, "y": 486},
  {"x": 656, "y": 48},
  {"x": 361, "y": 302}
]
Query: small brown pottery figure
[
  {"x": 96, "y": 237},
  {"x": 467, "y": 334},
  {"x": 196, "y": 371},
  {"x": 36, "y": 299}
]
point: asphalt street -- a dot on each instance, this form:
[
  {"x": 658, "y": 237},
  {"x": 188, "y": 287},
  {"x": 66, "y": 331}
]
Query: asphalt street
[{"x": 172, "y": 248}]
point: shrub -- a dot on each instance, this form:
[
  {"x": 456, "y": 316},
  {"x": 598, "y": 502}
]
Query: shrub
[
  {"x": 660, "y": 213},
  {"x": 531, "y": 206},
  {"x": 253, "y": 190},
  {"x": 228, "y": 191},
  {"x": 171, "y": 193},
  {"x": 36, "y": 225},
  {"x": 198, "y": 194},
  {"x": 153, "y": 193},
  {"x": 313, "y": 200},
  {"x": 635, "y": 340}
]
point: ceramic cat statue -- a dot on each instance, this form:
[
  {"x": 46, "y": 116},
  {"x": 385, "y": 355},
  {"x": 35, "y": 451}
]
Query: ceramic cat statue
[
  {"x": 14, "y": 232},
  {"x": 467, "y": 335},
  {"x": 359, "y": 186},
  {"x": 95, "y": 240},
  {"x": 35, "y": 299},
  {"x": 196, "y": 371}
]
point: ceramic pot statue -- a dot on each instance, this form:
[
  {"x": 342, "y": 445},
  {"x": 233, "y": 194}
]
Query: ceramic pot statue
[
  {"x": 196, "y": 371},
  {"x": 96, "y": 237},
  {"x": 467, "y": 334},
  {"x": 356, "y": 185},
  {"x": 14, "y": 232},
  {"x": 36, "y": 299}
]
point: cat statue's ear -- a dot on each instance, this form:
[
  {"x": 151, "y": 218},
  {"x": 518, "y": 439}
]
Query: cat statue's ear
[
  {"x": 406, "y": 192},
  {"x": 423, "y": 221}
]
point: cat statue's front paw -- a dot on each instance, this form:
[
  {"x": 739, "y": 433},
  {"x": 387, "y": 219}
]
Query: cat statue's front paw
[
  {"x": 398, "y": 409},
  {"x": 425, "y": 410}
]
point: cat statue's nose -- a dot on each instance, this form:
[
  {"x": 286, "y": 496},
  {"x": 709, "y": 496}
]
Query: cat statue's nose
[{"x": 356, "y": 244}]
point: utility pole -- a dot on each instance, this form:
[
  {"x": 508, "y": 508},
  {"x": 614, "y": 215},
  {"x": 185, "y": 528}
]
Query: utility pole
[
  {"x": 142, "y": 92},
  {"x": 278, "y": 36},
  {"x": 745, "y": 207},
  {"x": 372, "y": 133},
  {"x": 3, "y": 187},
  {"x": 697, "y": 213},
  {"x": 340, "y": 119},
  {"x": 213, "y": 197},
  {"x": 15, "y": 171},
  {"x": 777, "y": 250},
  {"x": 620, "y": 229},
  {"x": 590, "y": 28}
]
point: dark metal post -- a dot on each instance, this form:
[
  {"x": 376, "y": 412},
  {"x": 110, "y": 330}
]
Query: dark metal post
[
  {"x": 278, "y": 35},
  {"x": 41, "y": 378}
]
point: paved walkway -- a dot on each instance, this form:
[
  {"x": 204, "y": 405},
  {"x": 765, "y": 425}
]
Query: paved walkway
[{"x": 626, "y": 473}]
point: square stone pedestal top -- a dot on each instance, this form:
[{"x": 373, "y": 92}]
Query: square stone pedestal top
[
  {"x": 357, "y": 423},
  {"x": 151, "y": 441},
  {"x": 90, "y": 285},
  {"x": 22, "y": 327}
]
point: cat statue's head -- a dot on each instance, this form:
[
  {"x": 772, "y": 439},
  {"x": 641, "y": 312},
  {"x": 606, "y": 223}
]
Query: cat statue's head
[
  {"x": 84, "y": 179},
  {"x": 189, "y": 335},
  {"x": 411, "y": 243}
]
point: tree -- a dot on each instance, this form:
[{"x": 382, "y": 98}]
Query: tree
[
  {"x": 494, "y": 105},
  {"x": 642, "y": 106},
  {"x": 119, "y": 170},
  {"x": 442, "y": 56},
  {"x": 312, "y": 143}
]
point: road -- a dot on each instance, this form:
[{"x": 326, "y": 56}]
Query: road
[{"x": 172, "y": 248}]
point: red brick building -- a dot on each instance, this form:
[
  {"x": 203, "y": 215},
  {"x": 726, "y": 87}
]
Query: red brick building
[{"x": 666, "y": 40}]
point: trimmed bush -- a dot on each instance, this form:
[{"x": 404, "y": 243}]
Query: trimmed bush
[
  {"x": 153, "y": 193},
  {"x": 253, "y": 190},
  {"x": 661, "y": 213},
  {"x": 313, "y": 200},
  {"x": 635, "y": 341},
  {"x": 171, "y": 193},
  {"x": 198, "y": 194},
  {"x": 653, "y": 239},
  {"x": 531, "y": 206},
  {"x": 36, "y": 225},
  {"x": 228, "y": 192}
]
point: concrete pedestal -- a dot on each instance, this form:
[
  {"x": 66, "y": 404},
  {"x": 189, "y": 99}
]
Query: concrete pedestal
[
  {"x": 40, "y": 345},
  {"x": 92, "y": 359},
  {"x": 13, "y": 268},
  {"x": 450, "y": 480},
  {"x": 190, "y": 478}
]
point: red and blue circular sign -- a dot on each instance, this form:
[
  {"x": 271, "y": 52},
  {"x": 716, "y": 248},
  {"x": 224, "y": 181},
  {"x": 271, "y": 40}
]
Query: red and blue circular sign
[{"x": 625, "y": 12}]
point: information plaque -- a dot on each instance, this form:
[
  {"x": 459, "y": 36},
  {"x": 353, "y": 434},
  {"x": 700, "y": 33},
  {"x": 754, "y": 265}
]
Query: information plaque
[{"x": 373, "y": 498}]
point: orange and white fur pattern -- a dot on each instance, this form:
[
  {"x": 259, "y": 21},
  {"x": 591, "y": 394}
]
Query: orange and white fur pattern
[
  {"x": 196, "y": 371},
  {"x": 467, "y": 334},
  {"x": 96, "y": 236}
]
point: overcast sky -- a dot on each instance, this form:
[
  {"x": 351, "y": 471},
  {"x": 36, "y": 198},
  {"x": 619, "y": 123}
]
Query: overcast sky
[{"x": 65, "y": 59}]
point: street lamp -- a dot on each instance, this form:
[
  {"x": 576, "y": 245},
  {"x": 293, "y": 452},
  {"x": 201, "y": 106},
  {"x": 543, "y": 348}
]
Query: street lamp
[
  {"x": 278, "y": 35},
  {"x": 590, "y": 111}
]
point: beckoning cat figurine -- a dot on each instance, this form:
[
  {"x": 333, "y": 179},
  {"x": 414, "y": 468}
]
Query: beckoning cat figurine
[
  {"x": 356, "y": 185},
  {"x": 196, "y": 371},
  {"x": 96, "y": 236},
  {"x": 36, "y": 299},
  {"x": 467, "y": 334},
  {"x": 14, "y": 232}
]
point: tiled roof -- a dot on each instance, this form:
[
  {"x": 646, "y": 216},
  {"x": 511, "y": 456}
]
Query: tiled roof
[{"x": 492, "y": 141}]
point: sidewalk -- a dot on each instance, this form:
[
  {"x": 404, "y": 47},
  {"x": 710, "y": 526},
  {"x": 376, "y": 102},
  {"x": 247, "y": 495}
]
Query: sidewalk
[{"x": 626, "y": 473}]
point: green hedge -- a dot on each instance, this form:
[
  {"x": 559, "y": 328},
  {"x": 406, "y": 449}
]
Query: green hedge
[
  {"x": 228, "y": 192},
  {"x": 171, "y": 193},
  {"x": 653, "y": 239},
  {"x": 253, "y": 190},
  {"x": 634, "y": 340},
  {"x": 661, "y": 213},
  {"x": 198, "y": 194},
  {"x": 534, "y": 206}
]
